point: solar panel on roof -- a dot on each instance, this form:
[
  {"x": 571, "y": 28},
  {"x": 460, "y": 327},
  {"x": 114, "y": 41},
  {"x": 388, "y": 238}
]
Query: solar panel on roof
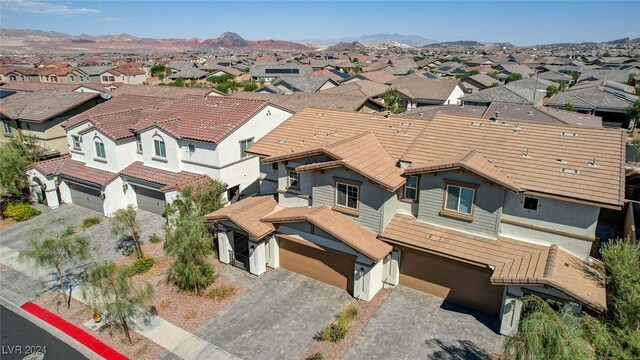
[
  {"x": 339, "y": 73},
  {"x": 282, "y": 71}
]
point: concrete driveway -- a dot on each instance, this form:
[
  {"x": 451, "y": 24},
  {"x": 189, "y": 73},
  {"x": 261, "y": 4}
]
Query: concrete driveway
[
  {"x": 276, "y": 318},
  {"x": 414, "y": 325},
  {"x": 104, "y": 244}
]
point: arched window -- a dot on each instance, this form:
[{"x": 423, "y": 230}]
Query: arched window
[
  {"x": 100, "y": 153},
  {"x": 158, "y": 146}
]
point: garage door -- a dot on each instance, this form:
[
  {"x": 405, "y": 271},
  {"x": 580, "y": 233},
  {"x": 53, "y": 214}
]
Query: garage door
[
  {"x": 458, "y": 282},
  {"x": 150, "y": 200},
  {"x": 329, "y": 267},
  {"x": 86, "y": 197}
]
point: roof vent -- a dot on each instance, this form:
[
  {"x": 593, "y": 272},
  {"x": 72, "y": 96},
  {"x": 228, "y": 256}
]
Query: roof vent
[
  {"x": 526, "y": 154},
  {"x": 497, "y": 115},
  {"x": 474, "y": 123},
  {"x": 565, "y": 133},
  {"x": 570, "y": 171},
  {"x": 421, "y": 115},
  {"x": 281, "y": 141},
  {"x": 561, "y": 160},
  {"x": 517, "y": 128},
  {"x": 530, "y": 113},
  {"x": 319, "y": 114},
  {"x": 593, "y": 163},
  {"x": 405, "y": 124}
]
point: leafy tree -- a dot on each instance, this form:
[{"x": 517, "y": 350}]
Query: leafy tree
[
  {"x": 493, "y": 74},
  {"x": 574, "y": 74},
  {"x": 622, "y": 262},
  {"x": 569, "y": 107},
  {"x": 633, "y": 111},
  {"x": 159, "y": 70},
  {"x": 635, "y": 144},
  {"x": 355, "y": 60},
  {"x": 251, "y": 86},
  {"x": 562, "y": 86},
  {"x": 546, "y": 334},
  {"x": 552, "y": 90},
  {"x": 109, "y": 290},
  {"x": 391, "y": 100},
  {"x": 606, "y": 54},
  {"x": 631, "y": 78},
  {"x": 455, "y": 59},
  {"x": 514, "y": 77},
  {"x": 58, "y": 250},
  {"x": 14, "y": 157},
  {"x": 125, "y": 222}
]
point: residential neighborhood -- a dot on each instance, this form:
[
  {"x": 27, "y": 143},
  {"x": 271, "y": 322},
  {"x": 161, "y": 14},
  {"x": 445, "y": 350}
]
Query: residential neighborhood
[{"x": 173, "y": 195}]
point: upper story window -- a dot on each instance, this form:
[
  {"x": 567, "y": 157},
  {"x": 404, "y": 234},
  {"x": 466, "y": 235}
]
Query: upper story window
[
  {"x": 294, "y": 180},
  {"x": 159, "y": 148},
  {"x": 411, "y": 188},
  {"x": 530, "y": 203},
  {"x": 347, "y": 195},
  {"x": 244, "y": 145},
  {"x": 6, "y": 127},
  {"x": 274, "y": 166},
  {"x": 76, "y": 141},
  {"x": 139, "y": 143},
  {"x": 191, "y": 148},
  {"x": 459, "y": 198},
  {"x": 100, "y": 153}
]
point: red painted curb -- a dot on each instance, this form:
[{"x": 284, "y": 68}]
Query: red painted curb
[{"x": 75, "y": 332}]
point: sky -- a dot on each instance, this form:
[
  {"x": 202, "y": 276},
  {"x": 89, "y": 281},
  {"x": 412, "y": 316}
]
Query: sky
[{"x": 518, "y": 22}]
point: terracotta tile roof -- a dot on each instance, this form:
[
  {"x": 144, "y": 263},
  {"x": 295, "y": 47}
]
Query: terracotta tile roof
[
  {"x": 247, "y": 213},
  {"x": 540, "y": 158},
  {"x": 128, "y": 70},
  {"x": 78, "y": 170},
  {"x": 472, "y": 161},
  {"x": 168, "y": 179},
  {"x": 327, "y": 73},
  {"x": 115, "y": 125},
  {"x": 160, "y": 91},
  {"x": 300, "y": 100},
  {"x": 349, "y": 232},
  {"x": 378, "y": 76},
  {"x": 202, "y": 118},
  {"x": 358, "y": 88},
  {"x": 362, "y": 153},
  {"x": 431, "y": 89},
  {"x": 311, "y": 128},
  {"x": 515, "y": 262},
  {"x": 43, "y": 105},
  {"x": 51, "y": 166}
]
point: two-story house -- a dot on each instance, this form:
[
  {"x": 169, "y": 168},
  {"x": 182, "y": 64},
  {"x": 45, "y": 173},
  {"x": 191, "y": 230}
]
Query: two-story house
[
  {"x": 140, "y": 150},
  {"x": 473, "y": 210}
]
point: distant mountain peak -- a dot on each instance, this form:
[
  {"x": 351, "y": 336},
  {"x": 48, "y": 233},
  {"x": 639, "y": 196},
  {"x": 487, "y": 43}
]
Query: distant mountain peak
[{"x": 231, "y": 36}]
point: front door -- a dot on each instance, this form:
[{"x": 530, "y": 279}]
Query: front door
[{"x": 240, "y": 252}]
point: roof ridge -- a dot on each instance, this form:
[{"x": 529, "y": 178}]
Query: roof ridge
[
  {"x": 347, "y": 139},
  {"x": 551, "y": 259}
]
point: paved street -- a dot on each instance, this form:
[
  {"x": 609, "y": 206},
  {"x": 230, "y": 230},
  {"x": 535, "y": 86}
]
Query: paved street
[
  {"x": 21, "y": 338},
  {"x": 414, "y": 325}
]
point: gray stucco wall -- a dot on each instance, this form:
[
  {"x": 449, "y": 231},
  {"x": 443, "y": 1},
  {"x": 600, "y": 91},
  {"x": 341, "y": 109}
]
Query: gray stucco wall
[{"x": 487, "y": 207}]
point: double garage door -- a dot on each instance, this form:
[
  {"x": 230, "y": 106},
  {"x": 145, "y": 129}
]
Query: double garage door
[
  {"x": 150, "y": 200},
  {"x": 458, "y": 282},
  {"x": 317, "y": 263},
  {"x": 86, "y": 197}
]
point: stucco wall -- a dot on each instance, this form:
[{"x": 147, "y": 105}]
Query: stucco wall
[{"x": 172, "y": 160}]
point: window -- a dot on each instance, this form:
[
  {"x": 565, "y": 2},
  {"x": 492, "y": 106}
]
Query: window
[
  {"x": 192, "y": 148},
  {"x": 459, "y": 199},
  {"x": 274, "y": 166},
  {"x": 411, "y": 188},
  {"x": 100, "y": 153},
  {"x": 105, "y": 79},
  {"x": 6, "y": 127},
  {"x": 160, "y": 150},
  {"x": 244, "y": 145},
  {"x": 530, "y": 203},
  {"x": 139, "y": 143},
  {"x": 76, "y": 141},
  {"x": 347, "y": 195},
  {"x": 294, "y": 179}
]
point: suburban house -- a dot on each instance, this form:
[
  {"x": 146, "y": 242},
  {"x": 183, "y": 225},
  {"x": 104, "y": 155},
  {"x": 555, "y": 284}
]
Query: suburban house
[
  {"x": 473, "y": 210},
  {"x": 139, "y": 150},
  {"x": 125, "y": 74},
  {"x": 95, "y": 72},
  {"x": 366, "y": 88},
  {"x": 529, "y": 91},
  {"x": 414, "y": 92},
  {"x": 269, "y": 72},
  {"x": 378, "y": 76},
  {"x": 291, "y": 84},
  {"x": 298, "y": 101},
  {"x": 41, "y": 113},
  {"x": 190, "y": 74},
  {"x": 477, "y": 82}
]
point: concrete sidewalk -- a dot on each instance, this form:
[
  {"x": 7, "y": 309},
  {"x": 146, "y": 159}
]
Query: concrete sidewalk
[{"x": 176, "y": 340}]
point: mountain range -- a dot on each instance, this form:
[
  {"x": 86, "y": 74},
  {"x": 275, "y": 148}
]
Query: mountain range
[{"x": 374, "y": 39}]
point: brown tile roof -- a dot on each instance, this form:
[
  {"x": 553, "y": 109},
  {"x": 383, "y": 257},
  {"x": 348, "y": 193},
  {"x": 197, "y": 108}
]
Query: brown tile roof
[
  {"x": 168, "y": 179},
  {"x": 312, "y": 128},
  {"x": 115, "y": 125},
  {"x": 202, "y": 118},
  {"x": 358, "y": 88},
  {"x": 378, "y": 76},
  {"x": 349, "y": 232},
  {"x": 362, "y": 153},
  {"x": 540, "y": 158},
  {"x": 472, "y": 161},
  {"x": 160, "y": 91},
  {"x": 247, "y": 214},
  {"x": 51, "y": 166},
  {"x": 301, "y": 100},
  {"x": 419, "y": 88},
  {"x": 328, "y": 74},
  {"x": 515, "y": 262},
  {"x": 43, "y": 105},
  {"x": 128, "y": 70},
  {"x": 78, "y": 170}
]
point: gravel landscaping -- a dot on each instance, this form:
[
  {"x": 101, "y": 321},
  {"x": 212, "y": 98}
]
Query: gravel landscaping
[{"x": 337, "y": 350}]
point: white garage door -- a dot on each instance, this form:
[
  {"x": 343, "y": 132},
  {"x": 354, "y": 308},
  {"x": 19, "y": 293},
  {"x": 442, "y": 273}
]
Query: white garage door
[{"x": 150, "y": 200}]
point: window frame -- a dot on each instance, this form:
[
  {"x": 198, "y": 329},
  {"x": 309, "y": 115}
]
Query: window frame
[
  {"x": 243, "y": 151},
  {"x": 405, "y": 187},
  {"x": 75, "y": 140},
  {"x": 274, "y": 166},
  {"x": 456, "y": 213},
  {"x": 139, "y": 144},
  {"x": 345, "y": 208},
  {"x": 157, "y": 140},
  {"x": 524, "y": 201},
  {"x": 289, "y": 186},
  {"x": 99, "y": 147},
  {"x": 6, "y": 128}
]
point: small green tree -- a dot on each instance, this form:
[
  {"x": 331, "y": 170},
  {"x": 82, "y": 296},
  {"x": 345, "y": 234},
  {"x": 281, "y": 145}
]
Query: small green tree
[
  {"x": 14, "y": 157},
  {"x": 569, "y": 107},
  {"x": 633, "y": 111},
  {"x": 622, "y": 262},
  {"x": 493, "y": 74},
  {"x": 391, "y": 100},
  {"x": 552, "y": 90},
  {"x": 108, "y": 289},
  {"x": 544, "y": 333},
  {"x": 631, "y": 78},
  {"x": 514, "y": 77},
  {"x": 125, "y": 222},
  {"x": 562, "y": 86},
  {"x": 606, "y": 54},
  {"x": 574, "y": 74},
  {"x": 58, "y": 250}
]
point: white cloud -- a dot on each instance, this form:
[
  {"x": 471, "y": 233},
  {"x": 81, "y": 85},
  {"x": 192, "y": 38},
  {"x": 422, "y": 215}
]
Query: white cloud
[{"x": 46, "y": 8}]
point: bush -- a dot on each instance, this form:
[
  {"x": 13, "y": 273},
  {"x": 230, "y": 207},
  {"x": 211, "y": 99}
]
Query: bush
[
  {"x": 316, "y": 356},
  {"x": 155, "y": 238},
  {"x": 344, "y": 321},
  {"x": 221, "y": 292},
  {"x": 90, "y": 221},
  {"x": 20, "y": 211},
  {"x": 139, "y": 266}
]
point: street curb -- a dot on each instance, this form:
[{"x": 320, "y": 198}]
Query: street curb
[{"x": 73, "y": 331}]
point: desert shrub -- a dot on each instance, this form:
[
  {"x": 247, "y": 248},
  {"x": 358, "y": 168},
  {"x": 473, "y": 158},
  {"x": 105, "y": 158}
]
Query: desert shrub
[
  {"x": 139, "y": 266},
  {"x": 316, "y": 356},
  {"x": 221, "y": 292},
  {"x": 19, "y": 211},
  {"x": 155, "y": 238},
  {"x": 90, "y": 221},
  {"x": 346, "y": 317}
]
